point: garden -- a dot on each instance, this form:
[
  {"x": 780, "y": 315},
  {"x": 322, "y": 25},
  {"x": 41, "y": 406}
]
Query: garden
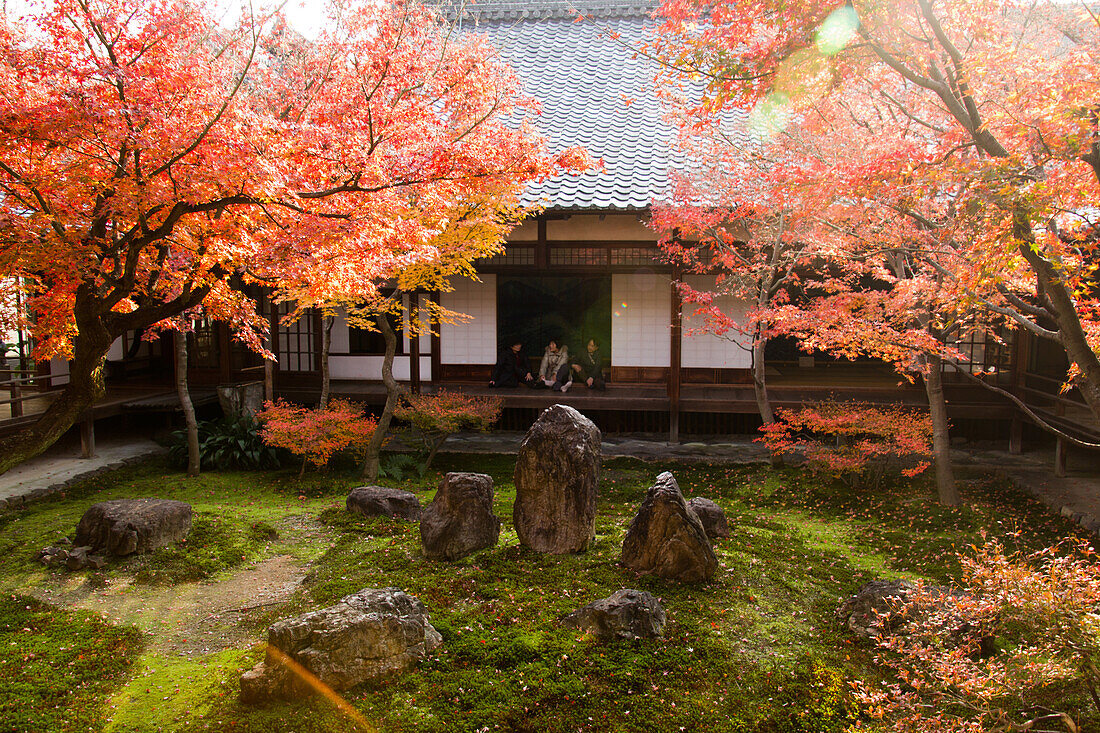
[{"x": 159, "y": 641}]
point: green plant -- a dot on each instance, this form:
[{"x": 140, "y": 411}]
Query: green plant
[
  {"x": 435, "y": 417},
  {"x": 401, "y": 466},
  {"x": 226, "y": 444}
]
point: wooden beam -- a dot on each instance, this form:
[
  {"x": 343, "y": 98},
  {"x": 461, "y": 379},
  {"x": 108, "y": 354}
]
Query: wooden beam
[
  {"x": 1016, "y": 435},
  {"x": 437, "y": 351},
  {"x": 414, "y": 342},
  {"x": 675, "y": 359},
  {"x": 87, "y": 436},
  {"x": 1061, "y": 456}
]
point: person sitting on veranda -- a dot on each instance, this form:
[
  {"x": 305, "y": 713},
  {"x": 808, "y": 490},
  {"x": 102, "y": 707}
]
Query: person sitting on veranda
[
  {"x": 512, "y": 368},
  {"x": 553, "y": 359},
  {"x": 588, "y": 366}
]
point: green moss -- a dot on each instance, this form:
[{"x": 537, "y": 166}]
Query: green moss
[
  {"x": 58, "y": 667},
  {"x": 756, "y": 649}
]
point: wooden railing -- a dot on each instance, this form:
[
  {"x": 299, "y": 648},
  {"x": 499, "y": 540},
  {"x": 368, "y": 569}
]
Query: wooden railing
[{"x": 15, "y": 387}]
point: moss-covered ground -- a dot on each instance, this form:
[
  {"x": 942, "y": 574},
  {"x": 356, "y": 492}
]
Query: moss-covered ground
[{"x": 756, "y": 649}]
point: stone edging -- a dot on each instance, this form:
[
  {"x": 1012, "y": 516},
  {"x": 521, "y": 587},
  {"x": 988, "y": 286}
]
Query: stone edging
[{"x": 18, "y": 501}]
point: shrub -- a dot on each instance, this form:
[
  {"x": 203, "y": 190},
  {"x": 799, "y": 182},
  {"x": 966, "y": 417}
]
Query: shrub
[
  {"x": 226, "y": 444},
  {"x": 1017, "y": 649},
  {"x": 435, "y": 417},
  {"x": 316, "y": 435},
  {"x": 853, "y": 441}
]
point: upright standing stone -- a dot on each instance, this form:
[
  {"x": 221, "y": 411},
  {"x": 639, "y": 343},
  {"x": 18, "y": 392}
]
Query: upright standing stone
[
  {"x": 666, "y": 538},
  {"x": 125, "y": 526},
  {"x": 460, "y": 519},
  {"x": 557, "y": 471}
]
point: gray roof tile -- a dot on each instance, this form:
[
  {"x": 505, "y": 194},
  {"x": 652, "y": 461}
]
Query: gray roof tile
[{"x": 593, "y": 92}]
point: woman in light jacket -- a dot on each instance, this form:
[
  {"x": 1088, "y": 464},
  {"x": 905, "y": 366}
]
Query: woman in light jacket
[{"x": 553, "y": 359}]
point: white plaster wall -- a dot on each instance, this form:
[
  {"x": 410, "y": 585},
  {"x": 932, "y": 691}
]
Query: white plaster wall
[
  {"x": 115, "y": 353},
  {"x": 475, "y": 341},
  {"x": 370, "y": 367},
  {"x": 641, "y": 305},
  {"x": 59, "y": 366},
  {"x": 609, "y": 227},
  {"x": 730, "y": 351}
]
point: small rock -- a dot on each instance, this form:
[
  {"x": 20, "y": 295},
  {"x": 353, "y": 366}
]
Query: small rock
[
  {"x": 125, "y": 526},
  {"x": 712, "y": 517},
  {"x": 369, "y": 635},
  {"x": 53, "y": 556},
  {"x": 460, "y": 519},
  {"x": 878, "y": 607},
  {"x": 77, "y": 558},
  {"x": 666, "y": 538},
  {"x": 625, "y": 614},
  {"x": 372, "y": 501},
  {"x": 96, "y": 562}
]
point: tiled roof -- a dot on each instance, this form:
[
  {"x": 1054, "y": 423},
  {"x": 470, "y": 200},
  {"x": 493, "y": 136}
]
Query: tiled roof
[{"x": 594, "y": 93}]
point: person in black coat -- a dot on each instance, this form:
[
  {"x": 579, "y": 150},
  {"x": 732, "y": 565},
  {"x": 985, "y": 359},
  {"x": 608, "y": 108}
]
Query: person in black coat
[
  {"x": 512, "y": 368},
  {"x": 588, "y": 366}
]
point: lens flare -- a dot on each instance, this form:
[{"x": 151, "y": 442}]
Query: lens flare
[{"x": 837, "y": 30}]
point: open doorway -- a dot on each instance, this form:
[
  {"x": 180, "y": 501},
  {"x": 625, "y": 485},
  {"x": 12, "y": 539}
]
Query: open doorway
[{"x": 572, "y": 309}]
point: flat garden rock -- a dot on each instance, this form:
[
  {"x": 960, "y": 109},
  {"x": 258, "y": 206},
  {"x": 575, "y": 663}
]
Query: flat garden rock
[
  {"x": 666, "y": 538},
  {"x": 460, "y": 519},
  {"x": 626, "y": 614},
  {"x": 127, "y": 526},
  {"x": 369, "y": 635},
  {"x": 876, "y": 608},
  {"x": 712, "y": 517},
  {"x": 557, "y": 472},
  {"x": 379, "y": 501}
]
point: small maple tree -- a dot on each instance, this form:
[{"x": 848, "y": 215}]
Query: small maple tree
[
  {"x": 853, "y": 441},
  {"x": 315, "y": 434},
  {"x": 439, "y": 415},
  {"x": 1015, "y": 648},
  {"x": 152, "y": 161}
]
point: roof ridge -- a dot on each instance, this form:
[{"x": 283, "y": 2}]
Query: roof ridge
[{"x": 513, "y": 10}]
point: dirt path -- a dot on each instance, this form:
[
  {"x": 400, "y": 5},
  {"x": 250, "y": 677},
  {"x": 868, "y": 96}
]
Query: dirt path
[{"x": 195, "y": 619}]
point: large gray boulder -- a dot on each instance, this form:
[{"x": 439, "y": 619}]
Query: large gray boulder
[
  {"x": 379, "y": 501},
  {"x": 368, "y": 635},
  {"x": 712, "y": 517},
  {"x": 557, "y": 472},
  {"x": 626, "y": 614},
  {"x": 460, "y": 519},
  {"x": 127, "y": 526},
  {"x": 666, "y": 539}
]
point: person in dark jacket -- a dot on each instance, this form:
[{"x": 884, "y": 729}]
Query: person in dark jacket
[
  {"x": 512, "y": 368},
  {"x": 588, "y": 366}
]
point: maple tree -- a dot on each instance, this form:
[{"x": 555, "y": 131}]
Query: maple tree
[
  {"x": 152, "y": 161},
  {"x": 853, "y": 441},
  {"x": 435, "y": 417},
  {"x": 1013, "y": 648},
  {"x": 944, "y": 152},
  {"x": 315, "y": 434}
]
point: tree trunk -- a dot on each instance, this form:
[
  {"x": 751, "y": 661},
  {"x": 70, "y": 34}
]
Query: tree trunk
[
  {"x": 393, "y": 393},
  {"x": 760, "y": 388},
  {"x": 326, "y": 347},
  {"x": 84, "y": 389},
  {"x": 194, "y": 463},
  {"x": 941, "y": 436}
]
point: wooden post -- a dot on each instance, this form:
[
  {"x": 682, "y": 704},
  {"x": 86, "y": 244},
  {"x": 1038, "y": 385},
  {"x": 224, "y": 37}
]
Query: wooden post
[
  {"x": 273, "y": 340},
  {"x": 1016, "y": 435},
  {"x": 674, "y": 363},
  {"x": 17, "y": 396},
  {"x": 1061, "y": 451},
  {"x": 87, "y": 436},
  {"x": 436, "y": 345},
  {"x": 414, "y": 342}
]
